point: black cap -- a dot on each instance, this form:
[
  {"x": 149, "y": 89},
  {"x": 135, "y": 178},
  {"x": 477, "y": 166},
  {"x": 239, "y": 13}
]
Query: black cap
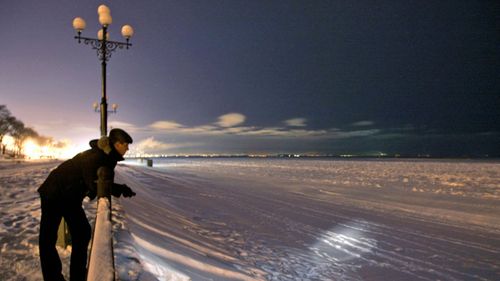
[{"x": 119, "y": 135}]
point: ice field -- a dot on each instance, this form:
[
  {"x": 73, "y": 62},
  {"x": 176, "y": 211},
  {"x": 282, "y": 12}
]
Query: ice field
[{"x": 281, "y": 219}]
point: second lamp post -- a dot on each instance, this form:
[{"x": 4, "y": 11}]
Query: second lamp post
[{"x": 104, "y": 48}]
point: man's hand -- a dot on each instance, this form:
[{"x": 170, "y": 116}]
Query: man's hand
[
  {"x": 122, "y": 189},
  {"x": 127, "y": 191}
]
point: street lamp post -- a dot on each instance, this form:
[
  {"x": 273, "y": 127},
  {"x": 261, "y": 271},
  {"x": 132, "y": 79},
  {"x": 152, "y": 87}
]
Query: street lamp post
[
  {"x": 101, "y": 265},
  {"x": 104, "y": 48}
]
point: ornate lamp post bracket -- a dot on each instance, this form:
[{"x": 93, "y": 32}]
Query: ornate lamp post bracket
[
  {"x": 99, "y": 45},
  {"x": 104, "y": 48}
]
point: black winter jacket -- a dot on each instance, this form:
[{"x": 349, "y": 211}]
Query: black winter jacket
[{"x": 76, "y": 178}]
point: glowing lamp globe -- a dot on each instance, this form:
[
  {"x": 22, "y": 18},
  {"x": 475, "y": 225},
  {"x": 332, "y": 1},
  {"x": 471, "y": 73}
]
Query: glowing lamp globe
[
  {"x": 127, "y": 31},
  {"x": 99, "y": 35},
  {"x": 79, "y": 24},
  {"x": 103, "y": 9},
  {"x": 105, "y": 19}
]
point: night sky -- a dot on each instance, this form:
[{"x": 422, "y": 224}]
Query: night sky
[{"x": 326, "y": 77}]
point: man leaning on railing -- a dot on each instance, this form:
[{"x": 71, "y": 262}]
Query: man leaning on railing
[{"x": 62, "y": 194}]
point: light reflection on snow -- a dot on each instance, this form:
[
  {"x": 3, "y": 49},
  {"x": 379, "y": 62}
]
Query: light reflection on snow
[
  {"x": 343, "y": 243},
  {"x": 337, "y": 254},
  {"x": 188, "y": 263},
  {"x": 161, "y": 270}
]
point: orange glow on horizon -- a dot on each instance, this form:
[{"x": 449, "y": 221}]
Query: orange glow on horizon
[
  {"x": 64, "y": 150},
  {"x": 32, "y": 150}
]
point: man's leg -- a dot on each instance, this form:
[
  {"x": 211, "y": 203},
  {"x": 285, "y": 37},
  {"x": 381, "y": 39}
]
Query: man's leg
[
  {"x": 49, "y": 258},
  {"x": 79, "y": 228}
]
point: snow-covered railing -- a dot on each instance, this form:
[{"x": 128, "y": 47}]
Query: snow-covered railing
[{"x": 101, "y": 262}]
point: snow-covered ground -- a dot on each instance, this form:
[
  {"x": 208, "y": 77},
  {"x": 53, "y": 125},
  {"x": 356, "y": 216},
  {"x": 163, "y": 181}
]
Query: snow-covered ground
[
  {"x": 316, "y": 219},
  {"x": 20, "y": 213},
  {"x": 261, "y": 219}
]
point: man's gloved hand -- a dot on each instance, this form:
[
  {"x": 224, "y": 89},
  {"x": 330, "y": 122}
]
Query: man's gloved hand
[
  {"x": 127, "y": 191},
  {"x": 122, "y": 189}
]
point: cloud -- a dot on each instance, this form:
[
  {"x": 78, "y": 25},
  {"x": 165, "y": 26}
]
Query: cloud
[
  {"x": 269, "y": 131},
  {"x": 227, "y": 126},
  {"x": 237, "y": 130},
  {"x": 300, "y": 133},
  {"x": 165, "y": 125},
  {"x": 151, "y": 145},
  {"x": 358, "y": 133},
  {"x": 283, "y": 132},
  {"x": 296, "y": 122},
  {"x": 207, "y": 129},
  {"x": 231, "y": 119},
  {"x": 123, "y": 125},
  {"x": 363, "y": 123},
  {"x": 228, "y": 134}
]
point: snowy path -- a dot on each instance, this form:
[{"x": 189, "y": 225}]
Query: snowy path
[
  {"x": 213, "y": 223},
  {"x": 20, "y": 213}
]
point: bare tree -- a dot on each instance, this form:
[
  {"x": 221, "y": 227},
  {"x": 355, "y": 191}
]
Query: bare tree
[
  {"x": 16, "y": 132},
  {"x": 6, "y": 120},
  {"x": 20, "y": 133},
  {"x": 15, "y": 128}
]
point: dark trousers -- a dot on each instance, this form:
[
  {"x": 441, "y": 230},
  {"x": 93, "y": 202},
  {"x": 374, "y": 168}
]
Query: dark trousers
[{"x": 79, "y": 227}]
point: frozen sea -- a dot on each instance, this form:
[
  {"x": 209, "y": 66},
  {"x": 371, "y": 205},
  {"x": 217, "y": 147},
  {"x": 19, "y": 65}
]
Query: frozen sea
[
  {"x": 272, "y": 219},
  {"x": 281, "y": 219}
]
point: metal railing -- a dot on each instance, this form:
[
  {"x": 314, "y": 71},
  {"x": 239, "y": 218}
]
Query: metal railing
[{"x": 101, "y": 262}]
